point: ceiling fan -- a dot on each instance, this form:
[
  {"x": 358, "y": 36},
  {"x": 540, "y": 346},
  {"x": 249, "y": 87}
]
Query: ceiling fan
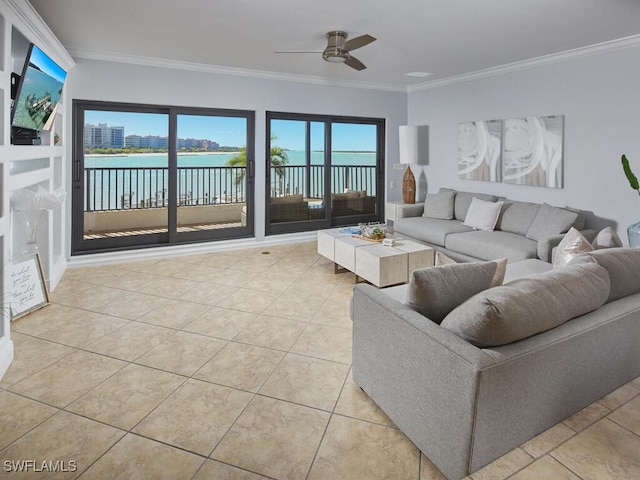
[{"x": 338, "y": 49}]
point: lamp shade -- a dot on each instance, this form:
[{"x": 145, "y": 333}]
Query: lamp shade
[{"x": 408, "y": 139}]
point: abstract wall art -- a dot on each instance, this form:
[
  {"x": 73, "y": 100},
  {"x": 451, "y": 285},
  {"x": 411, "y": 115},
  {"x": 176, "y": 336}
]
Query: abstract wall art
[
  {"x": 533, "y": 151},
  {"x": 479, "y": 150}
]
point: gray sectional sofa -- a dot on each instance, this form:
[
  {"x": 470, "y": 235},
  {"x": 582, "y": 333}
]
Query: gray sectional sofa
[
  {"x": 523, "y": 230},
  {"x": 505, "y": 365}
]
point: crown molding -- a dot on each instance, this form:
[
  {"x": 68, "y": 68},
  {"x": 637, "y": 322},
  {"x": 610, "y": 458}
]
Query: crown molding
[
  {"x": 38, "y": 32},
  {"x": 577, "y": 53},
  {"x": 220, "y": 70}
]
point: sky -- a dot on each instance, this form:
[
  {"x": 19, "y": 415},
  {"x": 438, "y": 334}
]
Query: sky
[
  {"x": 231, "y": 131},
  {"x": 48, "y": 66}
]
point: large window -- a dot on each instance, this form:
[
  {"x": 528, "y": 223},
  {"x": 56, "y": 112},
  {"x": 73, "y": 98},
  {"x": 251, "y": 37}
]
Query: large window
[
  {"x": 152, "y": 175},
  {"x": 323, "y": 171}
]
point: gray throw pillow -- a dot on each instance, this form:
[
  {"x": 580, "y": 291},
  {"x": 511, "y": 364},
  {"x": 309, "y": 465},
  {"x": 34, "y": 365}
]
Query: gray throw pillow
[
  {"x": 439, "y": 205},
  {"x": 607, "y": 238},
  {"x": 435, "y": 291},
  {"x": 530, "y": 305},
  {"x": 516, "y": 217},
  {"x": 551, "y": 221},
  {"x": 498, "y": 277},
  {"x": 623, "y": 265}
]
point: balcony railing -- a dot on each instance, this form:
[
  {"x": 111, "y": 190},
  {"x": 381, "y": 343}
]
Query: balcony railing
[{"x": 109, "y": 188}]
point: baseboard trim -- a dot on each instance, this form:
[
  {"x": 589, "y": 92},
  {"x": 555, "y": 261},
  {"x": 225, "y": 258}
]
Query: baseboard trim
[{"x": 6, "y": 354}]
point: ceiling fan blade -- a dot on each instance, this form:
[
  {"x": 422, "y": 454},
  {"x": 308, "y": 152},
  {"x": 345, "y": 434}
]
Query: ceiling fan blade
[
  {"x": 298, "y": 51},
  {"x": 358, "y": 42},
  {"x": 353, "y": 62}
]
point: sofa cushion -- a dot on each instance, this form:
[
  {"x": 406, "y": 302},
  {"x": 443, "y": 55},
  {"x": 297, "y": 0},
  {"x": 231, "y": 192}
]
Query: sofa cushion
[
  {"x": 435, "y": 291},
  {"x": 439, "y": 205},
  {"x": 530, "y": 305},
  {"x": 623, "y": 265},
  {"x": 463, "y": 201},
  {"x": 551, "y": 221},
  {"x": 607, "y": 238},
  {"x": 498, "y": 277},
  {"x": 492, "y": 245},
  {"x": 581, "y": 220},
  {"x": 516, "y": 217},
  {"x": 430, "y": 230},
  {"x": 525, "y": 268},
  {"x": 482, "y": 215},
  {"x": 571, "y": 245}
]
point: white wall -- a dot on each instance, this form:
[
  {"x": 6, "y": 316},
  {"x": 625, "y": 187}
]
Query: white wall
[
  {"x": 120, "y": 82},
  {"x": 599, "y": 96}
]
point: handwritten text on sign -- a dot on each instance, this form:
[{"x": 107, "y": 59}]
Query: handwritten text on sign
[{"x": 25, "y": 289}]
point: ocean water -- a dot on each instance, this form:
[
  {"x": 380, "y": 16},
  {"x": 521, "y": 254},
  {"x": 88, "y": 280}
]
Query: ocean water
[{"x": 123, "y": 189}]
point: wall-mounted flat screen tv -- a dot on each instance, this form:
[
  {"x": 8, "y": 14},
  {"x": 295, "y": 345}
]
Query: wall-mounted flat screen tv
[{"x": 38, "y": 92}]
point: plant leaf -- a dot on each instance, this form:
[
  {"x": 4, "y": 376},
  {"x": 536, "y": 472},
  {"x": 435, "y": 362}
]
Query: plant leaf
[{"x": 633, "y": 180}]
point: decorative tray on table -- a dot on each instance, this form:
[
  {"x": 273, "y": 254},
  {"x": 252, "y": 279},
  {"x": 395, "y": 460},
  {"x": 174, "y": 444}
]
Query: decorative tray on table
[{"x": 373, "y": 232}]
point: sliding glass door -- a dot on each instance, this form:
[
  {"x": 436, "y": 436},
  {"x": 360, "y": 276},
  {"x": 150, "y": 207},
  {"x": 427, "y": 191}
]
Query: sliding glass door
[
  {"x": 214, "y": 178},
  {"x": 153, "y": 175},
  {"x": 323, "y": 171}
]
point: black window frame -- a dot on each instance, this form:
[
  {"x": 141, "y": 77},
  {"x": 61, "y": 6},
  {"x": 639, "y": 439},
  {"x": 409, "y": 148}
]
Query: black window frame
[
  {"x": 328, "y": 221},
  {"x": 80, "y": 246}
]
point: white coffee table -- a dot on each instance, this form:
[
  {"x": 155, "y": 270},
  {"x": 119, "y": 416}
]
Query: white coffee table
[{"x": 380, "y": 265}]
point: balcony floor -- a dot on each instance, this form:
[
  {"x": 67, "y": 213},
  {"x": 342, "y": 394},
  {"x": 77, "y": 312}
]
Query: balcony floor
[{"x": 146, "y": 231}]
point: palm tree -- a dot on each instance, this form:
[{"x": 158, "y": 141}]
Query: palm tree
[{"x": 279, "y": 159}]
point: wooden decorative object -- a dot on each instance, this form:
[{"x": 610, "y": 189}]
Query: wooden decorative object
[{"x": 408, "y": 186}]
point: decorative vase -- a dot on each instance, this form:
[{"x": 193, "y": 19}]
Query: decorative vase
[
  {"x": 633, "y": 232},
  {"x": 31, "y": 221},
  {"x": 408, "y": 186}
]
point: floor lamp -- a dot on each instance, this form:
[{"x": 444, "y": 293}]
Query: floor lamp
[{"x": 408, "y": 138}]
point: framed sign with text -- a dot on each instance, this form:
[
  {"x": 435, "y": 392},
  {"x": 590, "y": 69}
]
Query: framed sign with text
[{"x": 27, "y": 290}]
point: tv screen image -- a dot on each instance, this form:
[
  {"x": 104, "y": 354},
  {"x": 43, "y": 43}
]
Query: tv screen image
[{"x": 38, "y": 92}]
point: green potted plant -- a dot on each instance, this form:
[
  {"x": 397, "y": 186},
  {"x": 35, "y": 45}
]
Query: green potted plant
[{"x": 633, "y": 232}]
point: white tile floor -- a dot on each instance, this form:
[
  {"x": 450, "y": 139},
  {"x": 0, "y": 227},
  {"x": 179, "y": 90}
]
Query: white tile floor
[{"x": 236, "y": 365}]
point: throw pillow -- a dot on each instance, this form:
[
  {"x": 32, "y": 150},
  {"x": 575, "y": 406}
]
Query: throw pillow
[
  {"x": 482, "y": 215},
  {"x": 442, "y": 259},
  {"x": 607, "y": 238},
  {"x": 551, "y": 221},
  {"x": 463, "y": 201},
  {"x": 435, "y": 291},
  {"x": 530, "y": 305},
  {"x": 439, "y": 205},
  {"x": 572, "y": 244},
  {"x": 498, "y": 278},
  {"x": 516, "y": 217},
  {"x": 623, "y": 265}
]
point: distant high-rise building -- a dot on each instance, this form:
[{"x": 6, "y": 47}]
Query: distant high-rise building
[
  {"x": 117, "y": 137},
  {"x": 102, "y": 135},
  {"x": 132, "y": 141}
]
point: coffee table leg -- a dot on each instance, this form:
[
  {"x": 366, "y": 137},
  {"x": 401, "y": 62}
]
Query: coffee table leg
[{"x": 338, "y": 269}]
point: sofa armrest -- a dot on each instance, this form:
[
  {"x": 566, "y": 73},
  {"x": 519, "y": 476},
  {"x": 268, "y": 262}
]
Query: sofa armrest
[
  {"x": 547, "y": 244},
  {"x": 409, "y": 210},
  {"x": 425, "y": 379}
]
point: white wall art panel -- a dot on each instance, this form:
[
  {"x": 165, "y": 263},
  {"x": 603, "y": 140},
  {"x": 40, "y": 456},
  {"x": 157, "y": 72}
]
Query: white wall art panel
[
  {"x": 479, "y": 150},
  {"x": 533, "y": 153}
]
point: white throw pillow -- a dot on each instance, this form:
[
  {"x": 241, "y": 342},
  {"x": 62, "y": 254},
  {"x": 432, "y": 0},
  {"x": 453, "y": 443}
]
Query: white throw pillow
[
  {"x": 482, "y": 215},
  {"x": 498, "y": 277},
  {"x": 572, "y": 244},
  {"x": 607, "y": 238}
]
